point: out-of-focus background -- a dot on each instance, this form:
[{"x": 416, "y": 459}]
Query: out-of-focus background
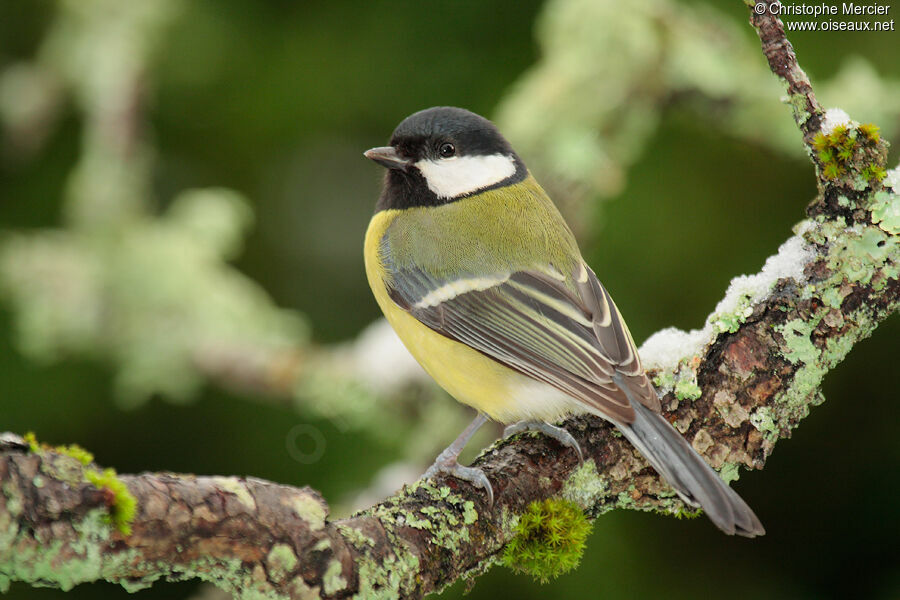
[{"x": 183, "y": 199}]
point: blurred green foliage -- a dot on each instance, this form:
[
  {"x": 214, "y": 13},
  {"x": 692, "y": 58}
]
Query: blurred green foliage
[{"x": 275, "y": 101}]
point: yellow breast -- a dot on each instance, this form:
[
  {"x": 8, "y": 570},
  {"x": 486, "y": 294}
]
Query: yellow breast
[{"x": 467, "y": 375}]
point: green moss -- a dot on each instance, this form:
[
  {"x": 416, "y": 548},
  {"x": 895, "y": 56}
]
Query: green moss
[
  {"x": 32, "y": 442},
  {"x": 123, "y": 507},
  {"x": 77, "y": 452},
  {"x": 820, "y": 142},
  {"x": 841, "y": 152},
  {"x": 870, "y": 131},
  {"x": 71, "y": 450},
  {"x": 549, "y": 541},
  {"x": 832, "y": 170},
  {"x": 873, "y": 171},
  {"x": 688, "y": 512}
]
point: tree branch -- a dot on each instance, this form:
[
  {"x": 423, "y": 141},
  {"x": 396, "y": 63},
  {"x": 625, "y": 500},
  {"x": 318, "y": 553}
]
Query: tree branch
[
  {"x": 733, "y": 388},
  {"x": 783, "y": 62}
]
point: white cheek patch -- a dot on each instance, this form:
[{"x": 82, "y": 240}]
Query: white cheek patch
[{"x": 452, "y": 177}]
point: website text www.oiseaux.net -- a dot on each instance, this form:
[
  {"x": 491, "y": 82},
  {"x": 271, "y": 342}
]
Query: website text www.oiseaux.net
[{"x": 820, "y": 15}]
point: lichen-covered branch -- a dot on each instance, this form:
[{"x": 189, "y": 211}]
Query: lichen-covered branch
[
  {"x": 783, "y": 62},
  {"x": 581, "y": 123},
  {"x": 733, "y": 393},
  {"x": 734, "y": 388}
]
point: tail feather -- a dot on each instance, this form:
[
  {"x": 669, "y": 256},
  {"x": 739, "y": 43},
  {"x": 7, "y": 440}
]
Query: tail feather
[{"x": 690, "y": 476}]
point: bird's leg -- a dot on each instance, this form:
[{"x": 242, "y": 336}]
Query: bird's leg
[
  {"x": 447, "y": 461},
  {"x": 557, "y": 433}
]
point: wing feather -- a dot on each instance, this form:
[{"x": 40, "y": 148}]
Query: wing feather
[{"x": 572, "y": 338}]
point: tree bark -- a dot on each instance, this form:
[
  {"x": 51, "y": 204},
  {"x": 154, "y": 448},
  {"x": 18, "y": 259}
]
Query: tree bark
[{"x": 747, "y": 386}]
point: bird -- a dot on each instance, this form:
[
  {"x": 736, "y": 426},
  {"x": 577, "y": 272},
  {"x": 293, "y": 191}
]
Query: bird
[{"x": 482, "y": 280}]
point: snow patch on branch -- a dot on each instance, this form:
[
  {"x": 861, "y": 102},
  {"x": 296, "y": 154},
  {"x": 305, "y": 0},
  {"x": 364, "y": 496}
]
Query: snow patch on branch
[
  {"x": 665, "y": 349},
  {"x": 835, "y": 117},
  {"x": 892, "y": 179}
]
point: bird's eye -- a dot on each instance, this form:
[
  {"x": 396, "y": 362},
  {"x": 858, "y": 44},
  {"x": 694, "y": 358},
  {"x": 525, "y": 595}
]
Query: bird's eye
[{"x": 447, "y": 150}]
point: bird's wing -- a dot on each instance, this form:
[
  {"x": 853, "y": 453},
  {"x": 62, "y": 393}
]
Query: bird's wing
[{"x": 572, "y": 338}]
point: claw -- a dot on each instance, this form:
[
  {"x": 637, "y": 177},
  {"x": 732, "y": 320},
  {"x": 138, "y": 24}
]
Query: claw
[
  {"x": 448, "y": 461},
  {"x": 557, "y": 433},
  {"x": 473, "y": 475}
]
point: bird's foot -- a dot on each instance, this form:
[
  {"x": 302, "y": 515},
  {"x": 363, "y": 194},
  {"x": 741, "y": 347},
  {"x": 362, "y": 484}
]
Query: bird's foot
[
  {"x": 450, "y": 466},
  {"x": 557, "y": 433}
]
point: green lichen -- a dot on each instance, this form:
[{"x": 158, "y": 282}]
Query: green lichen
[
  {"x": 14, "y": 499},
  {"x": 797, "y": 341},
  {"x": 683, "y": 382},
  {"x": 799, "y": 108},
  {"x": 730, "y": 322},
  {"x": 311, "y": 510},
  {"x": 356, "y": 537},
  {"x": 730, "y": 472},
  {"x": 281, "y": 560},
  {"x": 123, "y": 507},
  {"x": 763, "y": 419},
  {"x": 64, "y": 564},
  {"x": 549, "y": 541},
  {"x": 233, "y": 485},
  {"x": 470, "y": 515},
  {"x": 333, "y": 580},
  {"x": 664, "y": 380},
  {"x": 885, "y": 208},
  {"x": 857, "y": 257},
  {"x": 585, "y": 486},
  {"x": 384, "y": 580},
  {"x": 625, "y": 499},
  {"x": 447, "y": 527},
  {"x": 323, "y": 544},
  {"x": 686, "y": 387}
]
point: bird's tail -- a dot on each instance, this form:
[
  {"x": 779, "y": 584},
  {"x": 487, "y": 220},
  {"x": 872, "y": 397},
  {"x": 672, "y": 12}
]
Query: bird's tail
[{"x": 684, "y": 469}]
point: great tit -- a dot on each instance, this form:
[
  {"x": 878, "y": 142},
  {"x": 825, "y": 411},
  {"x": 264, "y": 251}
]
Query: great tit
[{"x": 481, "y": 278}]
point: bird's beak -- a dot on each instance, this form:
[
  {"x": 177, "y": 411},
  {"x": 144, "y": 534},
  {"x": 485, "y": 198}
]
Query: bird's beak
[{"x": 387, "y": 156}]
